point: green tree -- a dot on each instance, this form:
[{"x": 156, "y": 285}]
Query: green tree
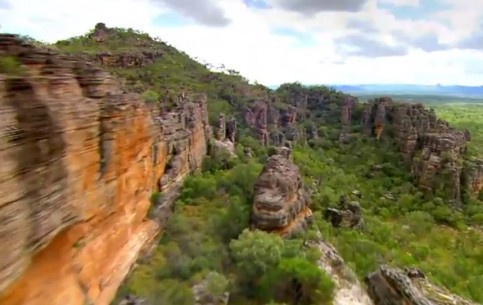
[
  {"x": 297, "y": 281},
  {"x": 256, "y": 252}
]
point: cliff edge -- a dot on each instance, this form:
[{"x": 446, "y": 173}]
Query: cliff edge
[{"x": 80, "y": 161}]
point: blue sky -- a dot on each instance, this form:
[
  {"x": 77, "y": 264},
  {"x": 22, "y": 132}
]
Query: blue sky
[{"x": 276, "y": 41}]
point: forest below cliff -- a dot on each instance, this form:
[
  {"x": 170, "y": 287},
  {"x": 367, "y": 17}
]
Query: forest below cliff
[
  {"x": 207, "y": 240},
  {"x": 402, "y": 228}
]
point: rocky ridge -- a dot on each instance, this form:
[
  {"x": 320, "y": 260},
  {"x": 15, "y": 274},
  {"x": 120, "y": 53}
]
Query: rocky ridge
[
  {"x": 81, "y": 159},
  {"x": 433, "y": 149}
]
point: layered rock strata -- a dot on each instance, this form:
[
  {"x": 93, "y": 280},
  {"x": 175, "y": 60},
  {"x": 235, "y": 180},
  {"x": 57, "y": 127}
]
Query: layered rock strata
[
  {"x": 429, "y": 145},
  {"x": 80, "y": 160},
  {"x": 281, "y": 203},
  {"x": 394, "y": 286}
]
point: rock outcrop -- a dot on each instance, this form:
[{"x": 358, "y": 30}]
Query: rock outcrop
[
  {"x": 347, "y": 108},
  {"x": 348, "y": 214},
  {"x": 473, "y": 177},
  {"x": 274, "y": 124},
  {"x": 291, "y": 113},
  {"x": 348, "y": 289},
  {"x": 394, "y": 286},
  {"x": 225, "y": 135},
  {"x": 281, "y": 203},
  {"x": 80, "y": 160},
  {"x": 429, "y": 145}
]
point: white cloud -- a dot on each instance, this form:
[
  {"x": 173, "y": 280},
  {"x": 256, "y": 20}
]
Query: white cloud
[
  {"x": 247, "y": 43},
  {"x": 401, "y": 2}
]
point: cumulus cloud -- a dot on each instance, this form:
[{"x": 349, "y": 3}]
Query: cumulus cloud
[
  {"x": 312, "y": 7},
  {"x": 365, "y": 26},
  {"x": 4, "y": 4},
  {"x": 344, "y": 48},
  {"x": 359, "y": 44},
  {"x": 206, "y": 12},
  {"x": 428, "y": 42},
  {"x": 401, "y": 2},
  {"x": 474, "y": 41}
]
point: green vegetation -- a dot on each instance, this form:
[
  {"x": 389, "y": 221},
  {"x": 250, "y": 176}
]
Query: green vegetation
[
  {"x": 171, "y": 73},
  {"x": 206, "y": 238},
  {"x": 465, "y": 116},
  {"x": 207, "y": 234},
  {"x": 11, "y": 66}
]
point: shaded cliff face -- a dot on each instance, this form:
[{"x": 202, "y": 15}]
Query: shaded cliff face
[
  {"x": 281, "y": 203},
  {"x": 394, "y": 286},
  {"x": 80, "y": 160},
  {"x": 473, "y": 177},
  {"x": 430, "y": 146}
]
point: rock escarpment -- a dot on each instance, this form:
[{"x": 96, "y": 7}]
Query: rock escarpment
[
  {"x": 294, "y": 112},
  {"x": 394, "y": 286},
  {"x": 429, "y": 145},
  {"x": 80, "y": 160},
  {"x": 281, "y": 203}
]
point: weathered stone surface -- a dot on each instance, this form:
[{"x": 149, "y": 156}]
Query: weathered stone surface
[
  {"x": 429, "y": 146},
  {"x": 348, "y": 215},
  {"x": 473, "y": 177},
  {"x": 281, "y": 203},
  {"x": 348, "y": 289},
  {"x": 275, "y": 125},
  {"x": 394, "y": 286},
  {"x": 225, "y": 136},
  {"x": 347, "y": 108},
  {"x": 80, "y": 160}
]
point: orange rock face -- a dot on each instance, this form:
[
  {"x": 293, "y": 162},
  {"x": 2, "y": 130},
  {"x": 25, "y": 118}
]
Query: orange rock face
[{"x": 80, "y": 160}]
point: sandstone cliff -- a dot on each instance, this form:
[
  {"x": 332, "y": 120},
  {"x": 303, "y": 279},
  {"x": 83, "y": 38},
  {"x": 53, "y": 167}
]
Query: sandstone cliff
[
  {"x": 80, "y": 160},
  {"x": 393, "y": 286},
  {"x": 281, "y": 203},
  {"x": 432, "y": 149}
]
